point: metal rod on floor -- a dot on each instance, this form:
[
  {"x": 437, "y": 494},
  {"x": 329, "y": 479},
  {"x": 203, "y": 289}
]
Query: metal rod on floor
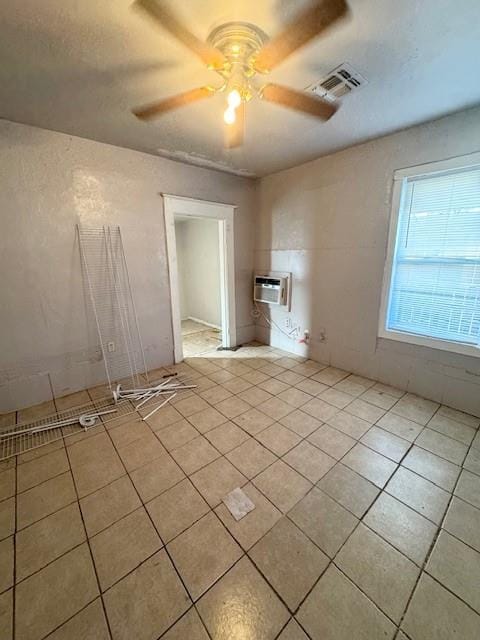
[
  {"x": 159, "y": 407},
  {"x": 145, "y": 400}
]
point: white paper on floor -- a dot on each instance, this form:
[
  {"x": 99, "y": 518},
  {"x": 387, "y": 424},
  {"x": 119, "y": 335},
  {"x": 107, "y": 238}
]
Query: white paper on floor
[{"x": 238, "y": 503}]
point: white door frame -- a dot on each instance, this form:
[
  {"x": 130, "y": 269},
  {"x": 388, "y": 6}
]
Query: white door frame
[{"x": 224, "y": 214}]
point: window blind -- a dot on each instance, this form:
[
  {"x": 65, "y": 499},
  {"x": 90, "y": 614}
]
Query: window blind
[{"x": 435, "y": 285}]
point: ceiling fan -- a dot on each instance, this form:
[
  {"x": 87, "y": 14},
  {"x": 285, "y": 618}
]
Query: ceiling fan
[{"x": 238, "y": 52}]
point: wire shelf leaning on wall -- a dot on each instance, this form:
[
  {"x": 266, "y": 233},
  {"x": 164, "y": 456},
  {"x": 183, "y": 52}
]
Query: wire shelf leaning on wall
[
  {"x": 110, "y": 301},
  {"x": 112, "y": 304},
  {"x": 132, "y": 396}
]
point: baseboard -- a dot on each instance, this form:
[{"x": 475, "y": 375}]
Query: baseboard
[
  {"x": 207, "y": 324},
  {"x": 276, "y": 339}
]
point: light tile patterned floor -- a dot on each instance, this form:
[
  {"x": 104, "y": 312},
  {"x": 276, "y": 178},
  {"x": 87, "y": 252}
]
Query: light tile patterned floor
[
  {"x": 198, "y": 338},
  {"x": 367, "y": 518}
]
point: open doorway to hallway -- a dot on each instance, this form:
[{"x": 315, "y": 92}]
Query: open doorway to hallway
[
  {"x": 197, "y": 339},
  {"x": 199, "y": 283},
  {"x": 201, "y": 265}
]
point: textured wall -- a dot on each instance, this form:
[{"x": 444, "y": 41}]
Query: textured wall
[
  {"x": 199, "y": 270},
  {"x": 327, "y": 223},
  {"x": 50, "y": 182}
]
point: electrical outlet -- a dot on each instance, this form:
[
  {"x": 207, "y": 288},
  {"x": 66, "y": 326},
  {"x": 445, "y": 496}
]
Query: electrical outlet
[
  {"x": 322, "y": 335},
  {"x": 111, "y": 346},
  {"x": 288, "y": 322}
]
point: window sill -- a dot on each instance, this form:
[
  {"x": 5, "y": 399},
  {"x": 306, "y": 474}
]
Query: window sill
[{"x": 432, "y": 343}]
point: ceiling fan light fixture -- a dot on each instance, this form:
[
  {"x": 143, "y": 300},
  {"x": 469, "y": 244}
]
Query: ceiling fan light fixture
[
  {"x": 234, "y": 98},
  {"x": 229, "y": 115},
  {"x": 238, "y": 51}
]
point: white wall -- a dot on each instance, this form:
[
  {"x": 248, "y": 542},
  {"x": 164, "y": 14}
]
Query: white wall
[
  {"x": 198, "y": 260},
  {"x": 51, "y": 181},
  {"x": 327, "y": 222}
]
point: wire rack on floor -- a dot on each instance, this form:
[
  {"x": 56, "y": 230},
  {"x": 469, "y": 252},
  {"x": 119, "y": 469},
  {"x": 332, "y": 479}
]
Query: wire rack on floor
[
  {"x": 26, "y": 436},
  {"x": 21, "y": 438}
]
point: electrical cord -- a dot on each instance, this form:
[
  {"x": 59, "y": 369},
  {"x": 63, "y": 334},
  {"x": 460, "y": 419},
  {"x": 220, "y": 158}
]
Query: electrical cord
[{"x": 258, "y": 313}]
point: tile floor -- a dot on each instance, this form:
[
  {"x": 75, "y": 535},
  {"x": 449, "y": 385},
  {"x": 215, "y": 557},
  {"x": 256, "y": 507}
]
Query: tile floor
[
  {"x": 367, "y": 518},
  {"x": 198, "y": 339}
]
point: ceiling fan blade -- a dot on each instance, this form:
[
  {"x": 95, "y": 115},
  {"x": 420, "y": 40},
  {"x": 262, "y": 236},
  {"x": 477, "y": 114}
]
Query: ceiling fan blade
[
  {"x": 309, "y": 24},
  {"x": 298, "y": 100},
  {"x": 156, "y": 109},
  {"x": 159, "y": 12},
  {"x": 234, "y": 133}
]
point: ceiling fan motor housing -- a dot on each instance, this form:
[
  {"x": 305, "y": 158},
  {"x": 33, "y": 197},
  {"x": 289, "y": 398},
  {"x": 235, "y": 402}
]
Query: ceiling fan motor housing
[{"x": 239, "y": 42}]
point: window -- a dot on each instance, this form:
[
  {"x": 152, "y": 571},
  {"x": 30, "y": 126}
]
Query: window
[{"x": 432, "y": 283}]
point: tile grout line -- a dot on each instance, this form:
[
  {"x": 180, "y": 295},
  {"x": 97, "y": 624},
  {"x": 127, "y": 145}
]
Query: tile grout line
[
  {"x": 211, "y": 510},
  {"x": 332, "y": 563},
  {"x": 50, "y": 562},
  {"x": 430, "y": 550},
  {"x": 50, "y": 633},
  {"x": 249, "y": 480},
  {"x": 411, "y": 444},
  {"x": 285, "y": 626},
  {"x": 63, "y": 554},
  {"x": 332, "y": 560},
  {"x": 452, "y": 534},
  {"x": 291, "y": 386},
  {"x": 314, "y": 485},
  {"x": 159, "y": 536},
  {"x": 38, "y": 484},
  {"x": 302, "y": 439},
  {"x": 87, "y": 539}
]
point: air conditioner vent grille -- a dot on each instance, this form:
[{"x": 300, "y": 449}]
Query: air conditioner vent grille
[
  {"x": 331, "y": 82},
  {"x": 339, "y": 82},
  {"x": 270, "y": 289}
]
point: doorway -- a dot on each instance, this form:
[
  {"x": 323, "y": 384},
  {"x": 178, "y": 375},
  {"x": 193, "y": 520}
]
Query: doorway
[
  {"x": 198, "y": 266},
  {"x": 200, "y": 247}
]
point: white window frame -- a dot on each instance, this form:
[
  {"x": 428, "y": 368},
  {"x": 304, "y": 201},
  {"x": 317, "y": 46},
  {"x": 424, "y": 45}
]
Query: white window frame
[{"x": 399, "y": 178}]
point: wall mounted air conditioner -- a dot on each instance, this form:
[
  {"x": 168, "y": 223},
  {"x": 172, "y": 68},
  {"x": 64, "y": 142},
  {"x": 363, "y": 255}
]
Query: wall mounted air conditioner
[{"x": 270, "y": 289}]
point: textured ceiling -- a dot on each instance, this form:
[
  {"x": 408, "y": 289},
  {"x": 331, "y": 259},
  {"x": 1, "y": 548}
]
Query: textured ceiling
[{"x": 78, "y": 67}]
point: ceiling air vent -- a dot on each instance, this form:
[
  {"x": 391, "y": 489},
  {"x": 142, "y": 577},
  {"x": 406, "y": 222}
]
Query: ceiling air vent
[{"x": 342, "y": 80}]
